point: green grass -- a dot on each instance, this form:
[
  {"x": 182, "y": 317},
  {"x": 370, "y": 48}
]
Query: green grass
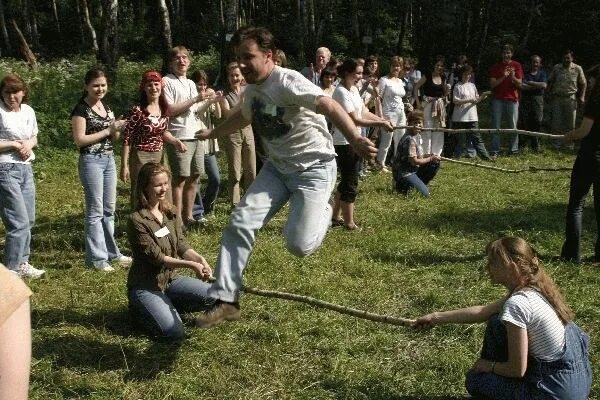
[{"x": 413, "y": 256}]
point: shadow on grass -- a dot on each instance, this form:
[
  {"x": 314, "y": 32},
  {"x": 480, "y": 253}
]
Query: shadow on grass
[
  {"x": 376, "y": 389},
  {"x": 75, "y": 351},
  {"x": 536, "y": 218}
]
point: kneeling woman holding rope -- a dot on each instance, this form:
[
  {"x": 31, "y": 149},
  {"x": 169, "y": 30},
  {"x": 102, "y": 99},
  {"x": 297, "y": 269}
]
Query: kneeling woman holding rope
[
  {"x": 157, "y": 294},
  {"x": 531, "y": 348}
]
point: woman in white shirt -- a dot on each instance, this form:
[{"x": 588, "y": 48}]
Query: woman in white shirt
[
  {"x": 346, "y": 93},
  {"x": 531, "y": 348},
  {"x": 18, "y": 137},
  {"x": 391, "y": 90}
]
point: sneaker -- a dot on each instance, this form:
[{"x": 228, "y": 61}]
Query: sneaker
[
  {"x": 123, "y": 260},
  {"x": 27, "y": 270},
  {"x": 104, "y": 267},
  {"x": 221, "y": 312}
]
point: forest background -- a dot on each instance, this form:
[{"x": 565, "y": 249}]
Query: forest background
[{"x": 138, "y": 30}]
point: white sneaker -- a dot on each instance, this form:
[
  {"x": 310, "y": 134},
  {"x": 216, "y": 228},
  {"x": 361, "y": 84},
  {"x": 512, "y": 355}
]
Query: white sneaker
[
  {"x": 27, "y": 270},
  {"x": 104, "y": 267},
  {"x": 123, "y": 260}
]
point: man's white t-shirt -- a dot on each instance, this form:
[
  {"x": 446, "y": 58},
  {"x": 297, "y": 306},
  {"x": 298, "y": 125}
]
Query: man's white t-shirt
[
  {"x": 282, "y": 110},
  {"x": 17, "y": 125},
  {"x": 177, "y": 90},
  {"x": 350, "y": 101}
]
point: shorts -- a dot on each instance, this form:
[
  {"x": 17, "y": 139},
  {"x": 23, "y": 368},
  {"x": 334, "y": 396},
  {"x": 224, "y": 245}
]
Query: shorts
[{"x": 188, "y": 163}]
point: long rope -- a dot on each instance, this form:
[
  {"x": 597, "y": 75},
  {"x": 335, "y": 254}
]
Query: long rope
[
  {"x": 530, "y": 169},
  {"x": 386, "y": 319},
  {"x": 502, "y": 131}
]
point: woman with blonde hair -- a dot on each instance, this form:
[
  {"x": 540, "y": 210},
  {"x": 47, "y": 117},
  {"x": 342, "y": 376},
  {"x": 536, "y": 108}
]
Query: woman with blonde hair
[
  {"x": 157, "y": 294},
  {"x": 531, "y": 349}
]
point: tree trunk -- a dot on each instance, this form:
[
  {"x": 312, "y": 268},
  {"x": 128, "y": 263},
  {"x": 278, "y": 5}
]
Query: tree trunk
[
  {"x": 109, "y": 43},
  {"x": 229, "y": 23},
  {"x": 485, "y": 19},
  {"x": 88, "y": 25},
  {"x": 55, "y": 14},
  {"x": 4, "y": 29},
  {"x": 35, "y": 36},
  {"x": 534, "y": 11},
  {"x": 355, "y": 26},
  {"x": 24, "y": 47},
  {"x": 166, "y": 25}
]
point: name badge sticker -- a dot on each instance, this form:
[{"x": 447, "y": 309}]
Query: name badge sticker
[{"x": 162, "y": 232}]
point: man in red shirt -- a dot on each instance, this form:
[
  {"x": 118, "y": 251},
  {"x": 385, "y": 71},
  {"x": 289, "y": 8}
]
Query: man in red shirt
[{"x": 505, "y": 81}]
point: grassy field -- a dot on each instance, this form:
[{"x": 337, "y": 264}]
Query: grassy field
[{"x": 413, "y": 256}]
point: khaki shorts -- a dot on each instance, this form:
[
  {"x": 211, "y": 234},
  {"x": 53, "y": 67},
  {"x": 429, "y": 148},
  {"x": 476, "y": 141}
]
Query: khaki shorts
[{"x": 188, "y": 163}]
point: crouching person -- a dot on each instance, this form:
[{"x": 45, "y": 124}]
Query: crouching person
[
  {"x": 412, "y": 168},
  {"x": 156, "y": 293},
  {"x": 531, "y": 348}
]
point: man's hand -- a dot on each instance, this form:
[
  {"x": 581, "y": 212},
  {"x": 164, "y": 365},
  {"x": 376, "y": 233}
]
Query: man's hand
[
  {"x": 179, "y": 146},
  {"x": 204, "y": 134},
  {"x": 363, "y": 146}
]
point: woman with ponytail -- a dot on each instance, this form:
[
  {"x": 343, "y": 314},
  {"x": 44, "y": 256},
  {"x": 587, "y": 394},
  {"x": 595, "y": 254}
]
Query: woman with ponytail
[{"x": 531, "y": 349}]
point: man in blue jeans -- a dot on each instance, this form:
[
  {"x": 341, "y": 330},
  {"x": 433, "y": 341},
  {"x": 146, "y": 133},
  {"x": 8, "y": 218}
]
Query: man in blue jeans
[
  {"x": 286, "y": 110},
  {"x": 505, "y": 81}
]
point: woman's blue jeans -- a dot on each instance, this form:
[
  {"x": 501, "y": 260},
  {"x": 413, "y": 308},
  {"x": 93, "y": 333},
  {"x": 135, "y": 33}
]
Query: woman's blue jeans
[
  {"x": 17, "y": 209},
  {"x": 568, "y": 378},
  {"x": 98, "y": 176},
  {"x": 158, "y": 312}
]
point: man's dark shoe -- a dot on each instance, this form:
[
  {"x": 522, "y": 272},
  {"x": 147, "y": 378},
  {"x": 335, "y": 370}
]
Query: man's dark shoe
[{"x": 222, "y": 311}]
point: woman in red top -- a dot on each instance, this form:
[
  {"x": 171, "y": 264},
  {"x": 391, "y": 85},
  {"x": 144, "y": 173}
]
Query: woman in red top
[{"x": 146, "y": 130}]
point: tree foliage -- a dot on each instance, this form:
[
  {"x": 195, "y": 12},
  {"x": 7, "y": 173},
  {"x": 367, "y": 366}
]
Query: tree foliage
[{"x": 140, "y": 29}]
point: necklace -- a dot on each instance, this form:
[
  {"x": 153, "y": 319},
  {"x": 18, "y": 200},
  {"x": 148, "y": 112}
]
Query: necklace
[{"x": 186, "y": 85}]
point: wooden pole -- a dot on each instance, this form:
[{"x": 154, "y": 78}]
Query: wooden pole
[
  {"x": 530, "y": 169},
  {"x": 386, "y": 319},
  {"x": 499, "y": 131}
]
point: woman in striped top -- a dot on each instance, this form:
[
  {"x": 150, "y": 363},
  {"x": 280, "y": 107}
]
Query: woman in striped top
[{"x": 531, "y": 348}]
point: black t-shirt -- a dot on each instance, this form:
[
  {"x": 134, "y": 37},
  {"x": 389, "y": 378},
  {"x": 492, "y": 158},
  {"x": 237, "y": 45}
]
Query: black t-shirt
[
  {"x": 591, "y": 143},
  {"x": 431, "y": 89},
  {"x": 94, "y": 123}
]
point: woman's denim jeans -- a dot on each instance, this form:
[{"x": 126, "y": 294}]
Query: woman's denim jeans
[
  {"x": 158, "y": 312},
  {"x": 309, "y": 217},
  {"x": 568, "y": 378},
  {"x": 98, "y": 176},
  {"x": 586, "y": 172},
  {"x": 17, "y": 209}
]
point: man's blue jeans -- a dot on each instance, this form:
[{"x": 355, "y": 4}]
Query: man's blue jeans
[
  {"x": 510, "y": 111},
  {"x": 17, "y": 209},
  {"x": 158, "y": 312},
  {"x": 98, "y": 175},
  {"x": 309, "y": 217},
  {"x": 586, "y": 173}
]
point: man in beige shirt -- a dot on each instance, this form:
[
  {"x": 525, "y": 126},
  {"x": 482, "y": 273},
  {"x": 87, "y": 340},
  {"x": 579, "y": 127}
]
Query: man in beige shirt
[{"x": 566, "y": 87}]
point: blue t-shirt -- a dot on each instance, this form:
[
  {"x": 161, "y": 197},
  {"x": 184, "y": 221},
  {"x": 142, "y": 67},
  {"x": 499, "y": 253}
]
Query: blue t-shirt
[{"x": 539, "y": 77}]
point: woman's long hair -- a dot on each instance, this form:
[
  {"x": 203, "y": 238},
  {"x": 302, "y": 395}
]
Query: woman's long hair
[
  {"x": 147, "y": 172},
  {"x": 517, "y": 253},
  {"x": 152, "y": 76}
]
